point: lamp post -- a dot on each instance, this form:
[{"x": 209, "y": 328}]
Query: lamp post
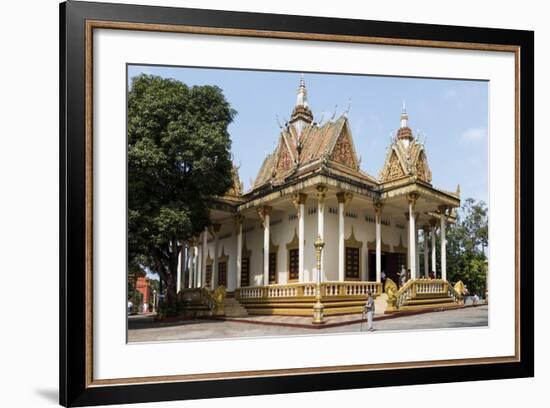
[{"x": 318, "y": 307}]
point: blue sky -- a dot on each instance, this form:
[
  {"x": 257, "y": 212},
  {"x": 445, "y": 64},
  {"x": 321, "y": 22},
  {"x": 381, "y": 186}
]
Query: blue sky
[{"x": 450, "y": 115}]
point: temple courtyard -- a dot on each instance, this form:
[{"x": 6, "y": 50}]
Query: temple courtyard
[{"x": 143, "y": 328}]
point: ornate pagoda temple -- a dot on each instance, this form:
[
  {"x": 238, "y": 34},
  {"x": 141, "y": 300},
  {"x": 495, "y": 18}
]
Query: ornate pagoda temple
[{"x": 260, "y": 245}]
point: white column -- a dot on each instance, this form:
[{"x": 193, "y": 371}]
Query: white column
[
  {"x": 181, "y": 262},
  {"x": 204, "y": 255},
  {"x": 443, "y": 244},
  {"x": 412, "y": 232},
  {"x": 265, "y": 212},
  {"x": 434, "y": 259},
  {"x": 215, "y": 278},
  {"x": 416, "y": 249},
  {"x": 196, "y": 266},
  {"x": 199, "y": 267},
  {"x": 378, "y": 213},
  {"x": 426, "y": 255},
  {"x": 301, "y": 239},
  {"x": 239, "y": 223},
  {"x": 341, "y": 230},
  {"x": 321, "y": 192},
  {"x": 191, "y": 265}
]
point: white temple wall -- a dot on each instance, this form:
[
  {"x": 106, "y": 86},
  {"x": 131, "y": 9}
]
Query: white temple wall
[{"x": 282, "y": 232}]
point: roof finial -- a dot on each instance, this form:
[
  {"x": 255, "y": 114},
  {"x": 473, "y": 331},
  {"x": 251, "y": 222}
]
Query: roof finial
[
  {"x": 404, "y": 117},
  {"x": 301, "y": 115},
  {"x": 301, "y": 98}
]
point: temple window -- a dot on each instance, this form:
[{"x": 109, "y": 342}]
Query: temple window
[
  {"x": 222, "y": 274},
  {"x": 352, "y": 263},
  {"x": 293, "y": 264},
  {"x": 245, "y": 272},
  {"x": 208, "y": 274},
  {"x": 272, "y": 268}
]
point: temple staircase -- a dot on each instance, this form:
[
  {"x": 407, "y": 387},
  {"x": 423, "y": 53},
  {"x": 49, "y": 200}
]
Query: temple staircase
[
  {"x": 423, "y": 294},
  {"x": 202, "y": 302},
  {"x": 297, "y": 299},
  {"x": 233, "y": 308}
]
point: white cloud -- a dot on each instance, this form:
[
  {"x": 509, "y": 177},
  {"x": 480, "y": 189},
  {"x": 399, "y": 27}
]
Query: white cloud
[{"x": 474, "y": 134}]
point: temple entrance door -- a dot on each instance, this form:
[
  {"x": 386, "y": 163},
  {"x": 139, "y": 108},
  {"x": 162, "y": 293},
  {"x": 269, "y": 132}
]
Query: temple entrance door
[
  {"x": 371, "y": 272},
  {"x": 393, "y": 267}
]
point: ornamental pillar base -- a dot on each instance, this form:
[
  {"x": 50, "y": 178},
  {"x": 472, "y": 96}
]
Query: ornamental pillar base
[{"x": 318, "y": 313}]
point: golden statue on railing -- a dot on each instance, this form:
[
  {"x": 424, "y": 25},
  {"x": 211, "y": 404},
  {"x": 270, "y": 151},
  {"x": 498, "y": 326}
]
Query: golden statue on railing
[
  {"x": 391, "y": 290},
  {"x": 460, "y": 291}
]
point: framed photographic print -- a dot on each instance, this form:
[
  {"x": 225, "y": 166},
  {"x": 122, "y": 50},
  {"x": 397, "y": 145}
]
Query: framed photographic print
[{"x": 255, "y": 203}]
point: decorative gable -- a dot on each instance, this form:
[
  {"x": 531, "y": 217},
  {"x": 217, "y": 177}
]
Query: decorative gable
[
  {"x": 343, "y": 151},
  {"x": 393, "y": 169},
  {"x": 284, "y": 161},
  {"x": 422, "y": 170}
]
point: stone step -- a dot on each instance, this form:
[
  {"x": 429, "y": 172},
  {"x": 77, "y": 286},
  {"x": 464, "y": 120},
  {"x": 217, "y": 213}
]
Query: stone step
[
  {"x": 428, "y": 301},
  {"x": 380, "y": 304},
  {"x": 232, "y": 308}
]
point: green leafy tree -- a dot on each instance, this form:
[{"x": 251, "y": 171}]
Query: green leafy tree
[
  {"x": 178, "y": 158},
  {"x": 467, "y": 240}
]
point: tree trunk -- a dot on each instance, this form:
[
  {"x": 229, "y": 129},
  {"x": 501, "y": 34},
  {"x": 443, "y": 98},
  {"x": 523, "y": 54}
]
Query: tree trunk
[{"x": 168, "y": 272}]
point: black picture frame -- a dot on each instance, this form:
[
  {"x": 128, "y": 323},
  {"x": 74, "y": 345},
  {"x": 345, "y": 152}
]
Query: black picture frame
[{"x": 75, "y": 387}]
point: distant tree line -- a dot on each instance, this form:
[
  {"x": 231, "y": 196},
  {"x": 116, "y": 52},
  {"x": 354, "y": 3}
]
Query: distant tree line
[{"x": 467, "y": 242}]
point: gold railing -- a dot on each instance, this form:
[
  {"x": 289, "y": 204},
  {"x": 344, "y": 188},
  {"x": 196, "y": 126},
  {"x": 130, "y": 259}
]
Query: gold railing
[
  {"x": 294, "y": 290},
  {"x": 425, "y": 286},
  {"x": 204, "y": 296}
]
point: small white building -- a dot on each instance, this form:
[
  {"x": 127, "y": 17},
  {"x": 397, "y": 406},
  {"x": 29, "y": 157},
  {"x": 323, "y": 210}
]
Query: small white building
[{"x": 261, "y": 241}]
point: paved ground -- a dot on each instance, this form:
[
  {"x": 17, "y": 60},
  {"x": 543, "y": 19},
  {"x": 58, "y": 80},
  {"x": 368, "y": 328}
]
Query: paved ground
[{"x": 144, "y": 329}]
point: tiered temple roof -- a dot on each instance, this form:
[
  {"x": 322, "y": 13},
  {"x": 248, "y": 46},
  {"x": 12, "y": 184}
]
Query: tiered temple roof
[
  {"x": 306, "y": 147},
  {"x": 405, "y": 156}
]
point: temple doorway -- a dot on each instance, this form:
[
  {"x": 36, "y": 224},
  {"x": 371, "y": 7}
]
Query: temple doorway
[{"x": 371, "y": 272}]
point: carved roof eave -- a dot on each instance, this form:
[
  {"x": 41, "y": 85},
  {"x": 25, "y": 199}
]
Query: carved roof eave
[
  {"x": 266, "y": 195},
  {"x": 225, "y": 204},
  {"x": 451, "y": 219},
  {"x": 337, "y": 168},
  {"x": 423, "y": 189}
]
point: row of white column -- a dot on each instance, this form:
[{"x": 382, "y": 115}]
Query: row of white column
[
  {"x": 413, "y": 252},
  {"x": 196, "y": 264}
]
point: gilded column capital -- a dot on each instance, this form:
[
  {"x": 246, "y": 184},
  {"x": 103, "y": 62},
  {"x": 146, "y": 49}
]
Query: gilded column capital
[
  {"x": 238, "y": 220},
  {"x": 297, "y": 199},
  {"x": 378, "y": 206},
  {"x": 412, "y": 197},
  {"x": 321, "y": 192},
  {"x": 263, "y": 212},
  {"x": 443, "y": 209},
  {"x": 344, "y": 197}
]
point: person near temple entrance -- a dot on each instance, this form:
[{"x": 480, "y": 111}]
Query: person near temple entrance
[
  {"x": 402, "y": 276},
  {"x": 369, "y": 311}
]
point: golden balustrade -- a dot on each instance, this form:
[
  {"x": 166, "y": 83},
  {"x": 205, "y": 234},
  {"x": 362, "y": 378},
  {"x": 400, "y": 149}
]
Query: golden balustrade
[
  {"x": 423, "y": 287},
  {"x": 294, "y": 290}
]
